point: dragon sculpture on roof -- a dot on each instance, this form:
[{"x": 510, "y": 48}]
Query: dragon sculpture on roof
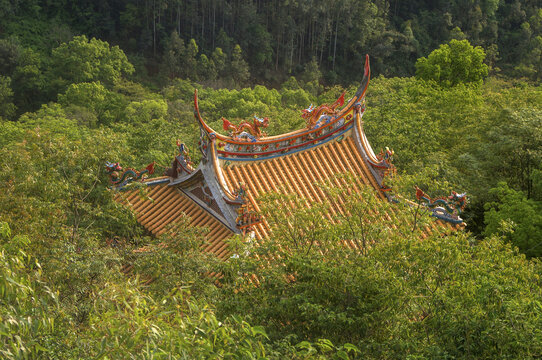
[
  {"x": 449, "y": 208},
  {"x": 246, "y": 130},
  {"x": 119, "y": 177},
  {"x": 312, "y": 114}
]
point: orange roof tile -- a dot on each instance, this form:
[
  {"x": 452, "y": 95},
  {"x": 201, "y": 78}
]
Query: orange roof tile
[
  {"x": 299, "y": 172},
  {"x": 163, "y": 205}
]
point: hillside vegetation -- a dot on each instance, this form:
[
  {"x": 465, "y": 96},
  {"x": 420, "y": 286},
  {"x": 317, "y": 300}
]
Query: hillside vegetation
[{"x": 455, "y": 93}]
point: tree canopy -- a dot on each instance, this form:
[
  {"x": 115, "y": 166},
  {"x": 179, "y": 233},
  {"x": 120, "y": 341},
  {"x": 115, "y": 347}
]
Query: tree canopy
[
  {"x": 83, "y": 60},
  {"x": 277, "y": 41},
  {"x": 453, "y": 63}
]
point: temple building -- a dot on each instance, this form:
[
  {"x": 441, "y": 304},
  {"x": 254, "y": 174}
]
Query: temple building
[{"x": 221, "y": 193}]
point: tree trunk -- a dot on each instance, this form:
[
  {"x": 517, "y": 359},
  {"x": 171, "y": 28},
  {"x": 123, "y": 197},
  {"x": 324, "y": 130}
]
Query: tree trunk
[
  {"x": 335, "y": 42},
  {"x": 277, "y": 53},
  {"x": 214, "y": 23},
  {"x": 178, "y": 19},
  {"x": 291, "y": 53},
  {"x": 191, "y": 26},
  {"x": 323, "y": 39},
  {"x": 202, "y": 22},
  {"x": 154, "y": 28}
]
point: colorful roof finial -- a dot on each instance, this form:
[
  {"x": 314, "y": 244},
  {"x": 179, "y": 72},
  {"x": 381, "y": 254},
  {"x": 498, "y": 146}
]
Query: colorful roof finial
[
  {"x": 181, "y": 164},
  {"x": 247, "y": 218},
  {"x": 241, "y": 192}
]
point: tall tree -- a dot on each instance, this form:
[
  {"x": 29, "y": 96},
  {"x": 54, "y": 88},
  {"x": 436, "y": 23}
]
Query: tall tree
[
  {"x": 453, "y": 63},
  {"x": 7, "y": 108},
  {"x": 238, "y": 67},
  {"x": 83, "y": 60}
]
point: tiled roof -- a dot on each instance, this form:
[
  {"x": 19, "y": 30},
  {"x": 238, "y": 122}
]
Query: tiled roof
[
  {"x": 299, "y": 173},
  {"x": 236, "y": 169},
  {"x": 162, "y": 205}
]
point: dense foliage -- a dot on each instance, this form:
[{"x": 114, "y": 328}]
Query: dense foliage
[
  {"x": 227, "y": 42},
  {"x": 452, "y": 64},
  {"x": 444, "y": 297},
  {"x": 71, "y": 283}
]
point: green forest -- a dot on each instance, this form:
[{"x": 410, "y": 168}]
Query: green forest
[{"x": 455, "y": 92}]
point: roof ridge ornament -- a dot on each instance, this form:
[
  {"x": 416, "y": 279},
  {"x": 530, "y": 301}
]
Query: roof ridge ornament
[
  {"x": 445, "y": 208},
  {"x": 384, "y": 159},
  {"x": 245, "y": 130},
  {"x": 313, "y": 115},
  {"x": 247, "y": 217},
  {"x": 118, "y": 177},
  {"x": 247, "y": 141},
  {"x": 384, "y": 165},
  {"x": 181, "y": 163}
]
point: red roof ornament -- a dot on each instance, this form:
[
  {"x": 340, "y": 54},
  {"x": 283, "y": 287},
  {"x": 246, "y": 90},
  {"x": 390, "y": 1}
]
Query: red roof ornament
[
  {"x": 246, "y": 130},
  {"x": 312, "y": 114}
]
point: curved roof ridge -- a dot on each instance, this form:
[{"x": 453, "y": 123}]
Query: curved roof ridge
[
  {"x": 340, "y": 113},
  {"x": 324, "y": 123}
]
